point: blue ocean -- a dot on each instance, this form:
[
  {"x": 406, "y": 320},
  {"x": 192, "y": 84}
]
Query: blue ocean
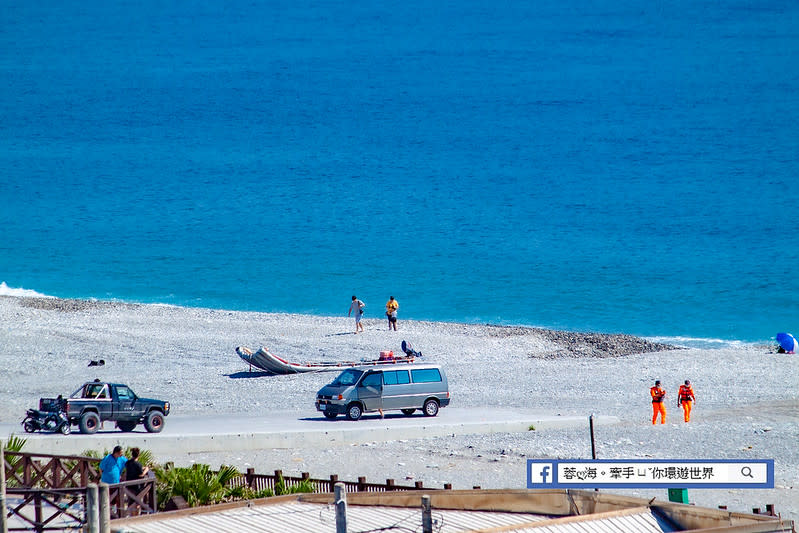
[{"x": 611, "y": 166}]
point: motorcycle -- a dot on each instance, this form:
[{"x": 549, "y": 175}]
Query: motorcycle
[{"x": 55, "y": 421}]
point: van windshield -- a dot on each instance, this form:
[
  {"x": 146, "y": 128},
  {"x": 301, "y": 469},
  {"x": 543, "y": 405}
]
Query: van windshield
[{"x": 347, "y": 378}]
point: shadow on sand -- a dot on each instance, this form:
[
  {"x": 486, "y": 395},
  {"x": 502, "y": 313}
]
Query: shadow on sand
[{"x": 245, "y": 374}]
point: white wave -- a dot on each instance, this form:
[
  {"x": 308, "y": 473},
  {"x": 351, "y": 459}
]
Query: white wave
[
  {"x": 699, "y": 342},
  {"x": 5, "y": 290}
]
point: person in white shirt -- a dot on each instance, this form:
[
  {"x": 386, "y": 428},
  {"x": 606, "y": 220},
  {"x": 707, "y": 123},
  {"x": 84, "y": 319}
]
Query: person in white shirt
[{"x": 357, "y": 307}]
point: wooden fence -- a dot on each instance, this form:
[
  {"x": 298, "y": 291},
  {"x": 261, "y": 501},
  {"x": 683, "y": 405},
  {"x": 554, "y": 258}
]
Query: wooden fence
[
  {"x": 28, "y": 470},
  {"x": 259, "y": 482},
  {"x": 43, "y": 509},
  {"x": 48, "y": 492}
]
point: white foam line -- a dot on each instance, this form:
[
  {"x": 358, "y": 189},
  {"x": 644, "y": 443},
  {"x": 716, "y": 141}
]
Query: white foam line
[{"x": 5, "y": 290}]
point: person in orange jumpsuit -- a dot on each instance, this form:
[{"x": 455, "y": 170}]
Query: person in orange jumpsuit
[
  {"x": 686, "y": 399},
  {"x": 658, "y": 406}
]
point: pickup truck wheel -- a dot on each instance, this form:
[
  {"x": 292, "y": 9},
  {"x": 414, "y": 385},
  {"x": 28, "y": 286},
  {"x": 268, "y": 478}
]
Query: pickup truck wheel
[
  {"x": 354, "y": 411},
  {"x": 126, "y": 425},
  {"x": 430, "y": 408},
  {"x": 408, "y": 412},
  {"x": 154, "y": 422},
  {"x": 89, "y": 423},
  {"x": 330, "y": 415}
]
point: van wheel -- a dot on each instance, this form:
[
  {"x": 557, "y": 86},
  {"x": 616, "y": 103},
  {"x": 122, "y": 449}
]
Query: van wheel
[
  {"x": 430, "y": 408},
  {"x": 89, "y": 423},
  {"x": 354, "y": 411},
  {"x": 408, "y": 412},
  {"x": 330, "y": 415}
]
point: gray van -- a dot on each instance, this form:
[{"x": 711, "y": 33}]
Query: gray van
[{"x": 403, "y": 387}]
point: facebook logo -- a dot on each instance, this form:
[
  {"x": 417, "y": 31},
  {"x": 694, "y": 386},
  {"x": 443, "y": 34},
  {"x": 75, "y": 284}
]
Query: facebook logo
[{"x": 541, "y": 474}]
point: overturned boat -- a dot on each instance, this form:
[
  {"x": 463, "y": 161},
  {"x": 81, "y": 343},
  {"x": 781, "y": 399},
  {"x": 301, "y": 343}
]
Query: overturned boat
[{"x": 266, "y": 360}]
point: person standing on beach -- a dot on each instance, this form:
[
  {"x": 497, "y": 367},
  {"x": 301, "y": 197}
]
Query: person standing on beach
[
  {"x": 112, "y": 466},
  {"x": 391, "y": 312},
  {"x": 686, "y": 399},
  {"x": 658, "y": 406},
  {"x": 357, "y": 307}
]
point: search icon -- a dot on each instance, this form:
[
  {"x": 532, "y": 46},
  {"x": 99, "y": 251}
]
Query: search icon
[{"x": 747, "y": 472}]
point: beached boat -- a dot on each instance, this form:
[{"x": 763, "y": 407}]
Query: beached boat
[{"x": 266, "y": 360}]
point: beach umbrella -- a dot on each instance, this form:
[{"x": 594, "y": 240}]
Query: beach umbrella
[{"x": 788, "y": 342}]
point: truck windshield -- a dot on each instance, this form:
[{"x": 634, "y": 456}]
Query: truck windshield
[{"x": 348, "y": 377}]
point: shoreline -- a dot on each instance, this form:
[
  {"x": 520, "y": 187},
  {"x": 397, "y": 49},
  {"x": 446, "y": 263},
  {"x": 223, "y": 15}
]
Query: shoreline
[
  {"x": 746, "y": 408},
  {"x": 37, "y": 300}
]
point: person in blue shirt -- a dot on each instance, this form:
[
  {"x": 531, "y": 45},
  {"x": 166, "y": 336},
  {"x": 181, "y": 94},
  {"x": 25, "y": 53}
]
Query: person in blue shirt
[{"x": 112, "y": 466}]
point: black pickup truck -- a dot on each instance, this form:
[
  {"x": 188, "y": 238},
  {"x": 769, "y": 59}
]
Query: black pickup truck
[{"x": 97, "y": 401}]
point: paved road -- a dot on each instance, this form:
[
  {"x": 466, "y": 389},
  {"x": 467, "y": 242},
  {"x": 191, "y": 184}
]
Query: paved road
[{"x": 197, "y": 434}]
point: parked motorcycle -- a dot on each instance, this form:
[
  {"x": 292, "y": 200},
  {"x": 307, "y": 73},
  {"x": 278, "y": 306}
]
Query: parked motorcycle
[{"x": 55, "y": 421}]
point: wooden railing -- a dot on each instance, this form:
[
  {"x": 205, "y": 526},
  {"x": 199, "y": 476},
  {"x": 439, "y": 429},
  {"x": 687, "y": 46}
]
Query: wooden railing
[
  {"x": 130, "y": 498},
  {"x": 259, "y": 482},
  {"x": 39, "y": 509},
  {"x": 45, "y": 509},
  {"x": 48, "y": 492},
  {"x": 27, "y": 470}
]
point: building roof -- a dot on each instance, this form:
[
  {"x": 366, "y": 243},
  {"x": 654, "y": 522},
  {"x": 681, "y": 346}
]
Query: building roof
[{"x": 487, "y": 511}]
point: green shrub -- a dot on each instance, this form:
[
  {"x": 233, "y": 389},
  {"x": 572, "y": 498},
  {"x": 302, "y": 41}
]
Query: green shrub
[
  {"x": 197, "y": 484},
  {"x": 304, "y": 486},
  {"x": 13, "y": 444}
]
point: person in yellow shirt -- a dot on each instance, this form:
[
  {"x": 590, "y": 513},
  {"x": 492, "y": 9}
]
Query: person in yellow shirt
[
  {"x": 686, "y": 399},
  {"x": 658, "y": 406},
  {"x": 391, "y": 312}
]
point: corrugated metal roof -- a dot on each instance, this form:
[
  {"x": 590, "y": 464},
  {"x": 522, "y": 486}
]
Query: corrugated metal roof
[
  {"x": 286, "y": 515},
  {"x": 316, "y": 518},
  {"x": 641, "y": 521}
]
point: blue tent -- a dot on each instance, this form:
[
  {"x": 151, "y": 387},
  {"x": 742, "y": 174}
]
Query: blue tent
[{"x": 787, "y": 342}]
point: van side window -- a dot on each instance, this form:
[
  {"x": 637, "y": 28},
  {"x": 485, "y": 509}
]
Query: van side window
[
  {"x": 373, "y": 380},
  {"x": 395, "y": 377},
  {"x": 426, "y": 375}
]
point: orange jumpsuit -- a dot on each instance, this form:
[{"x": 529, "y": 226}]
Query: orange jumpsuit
[
  {"x": 686, "y": 400},
  {"x": 658, "y": 407}
]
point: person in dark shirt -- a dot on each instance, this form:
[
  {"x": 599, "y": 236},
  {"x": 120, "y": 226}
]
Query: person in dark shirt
[{"x": 133, "y": 468}]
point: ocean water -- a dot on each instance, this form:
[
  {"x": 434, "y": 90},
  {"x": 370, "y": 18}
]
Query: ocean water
[{"x": 614, "y": 166}]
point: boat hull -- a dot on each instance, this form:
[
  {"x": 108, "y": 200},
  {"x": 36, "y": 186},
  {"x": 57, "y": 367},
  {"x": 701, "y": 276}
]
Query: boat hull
[{"x": 265, "y": 360}]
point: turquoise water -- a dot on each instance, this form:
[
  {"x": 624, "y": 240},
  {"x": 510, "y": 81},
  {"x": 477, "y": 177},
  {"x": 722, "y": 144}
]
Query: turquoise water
[{"x": 607, "y": 166}]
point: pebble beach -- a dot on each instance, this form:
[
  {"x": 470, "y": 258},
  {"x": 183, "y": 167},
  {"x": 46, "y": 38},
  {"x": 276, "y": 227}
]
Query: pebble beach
[{"x": 747, "y": 400}]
